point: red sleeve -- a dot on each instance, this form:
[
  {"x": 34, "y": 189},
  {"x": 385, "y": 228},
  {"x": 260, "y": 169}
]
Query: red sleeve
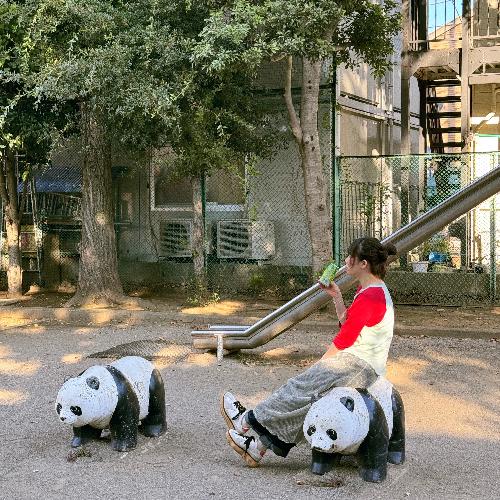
[
  {"x": 357, "y": 290},
  {"x": 367, "y": 309}
]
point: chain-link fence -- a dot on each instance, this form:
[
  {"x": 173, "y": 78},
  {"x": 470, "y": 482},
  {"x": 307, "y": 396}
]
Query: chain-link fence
[
  {"x": 459, "y": 264},
  {"x": 254, "y": 236}
]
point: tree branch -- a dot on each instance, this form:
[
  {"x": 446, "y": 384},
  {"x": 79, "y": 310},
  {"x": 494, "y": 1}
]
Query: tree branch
[
  {"x": 294, "y": 120},
  {"x": 3, "y": 186},
  {"x": 278, "y": 57}
]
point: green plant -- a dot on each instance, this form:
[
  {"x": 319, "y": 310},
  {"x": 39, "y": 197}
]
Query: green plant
[
  {"x": 372, "y": 205},
  {"x": 256, "y": 281},
  {"x": 367, "y": 208},
  {"x": 253, "y": 213},
  {"x": 200, "y": 295},
  {"x": 437, "y": 243}
]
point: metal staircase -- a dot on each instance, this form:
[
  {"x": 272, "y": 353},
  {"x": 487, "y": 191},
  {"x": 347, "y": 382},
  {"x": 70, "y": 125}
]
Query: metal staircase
[{"x": 443, "y": 111}]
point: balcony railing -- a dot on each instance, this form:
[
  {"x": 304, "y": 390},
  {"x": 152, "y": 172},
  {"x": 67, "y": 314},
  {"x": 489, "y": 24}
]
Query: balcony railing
[
  {"x": 56, "y": 206},
  {"x": 437, "y": 24}
]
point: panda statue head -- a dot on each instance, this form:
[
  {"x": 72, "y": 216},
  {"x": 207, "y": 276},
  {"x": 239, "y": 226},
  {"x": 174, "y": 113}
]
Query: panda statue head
[
  {"x": 87, "y": 399},
  {"x": 338, "y": 422}
]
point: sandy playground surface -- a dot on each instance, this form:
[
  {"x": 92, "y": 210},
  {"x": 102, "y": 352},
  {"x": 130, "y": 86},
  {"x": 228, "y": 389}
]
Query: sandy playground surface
[{"x": 450, "y": 387}]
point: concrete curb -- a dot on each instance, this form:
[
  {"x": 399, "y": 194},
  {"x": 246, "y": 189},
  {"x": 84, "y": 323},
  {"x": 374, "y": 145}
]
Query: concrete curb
[{"x": 101, "y": 317}]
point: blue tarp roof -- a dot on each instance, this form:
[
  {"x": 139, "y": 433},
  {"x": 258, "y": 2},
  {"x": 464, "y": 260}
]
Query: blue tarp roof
[
  {"x": 58, "y": 179},
  {"x": 61, "y": 179}
]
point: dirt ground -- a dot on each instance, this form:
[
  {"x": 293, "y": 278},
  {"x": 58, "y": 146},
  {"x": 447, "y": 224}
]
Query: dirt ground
[
  {"x": 450, "y": 387},
  {"x": 466, "y": 320}
]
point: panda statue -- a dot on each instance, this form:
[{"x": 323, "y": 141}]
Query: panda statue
[
  {"x": 368, "y": 423},
  {"x": 120, "y": 396}
]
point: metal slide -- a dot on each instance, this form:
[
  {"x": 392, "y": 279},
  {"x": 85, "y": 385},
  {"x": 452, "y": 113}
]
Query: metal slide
[{"x": 405, "y": 239}]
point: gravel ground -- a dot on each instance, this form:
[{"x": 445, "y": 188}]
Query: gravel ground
[{"x": 450, "y": 388}]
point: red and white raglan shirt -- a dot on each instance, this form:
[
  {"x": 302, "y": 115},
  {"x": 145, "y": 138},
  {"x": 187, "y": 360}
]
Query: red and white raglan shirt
[{"x": 369, "y": 326}]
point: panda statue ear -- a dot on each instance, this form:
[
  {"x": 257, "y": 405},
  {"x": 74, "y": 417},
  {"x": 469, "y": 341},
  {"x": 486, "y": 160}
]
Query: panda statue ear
[
  {"x": 348, "y": 403},
  {"x": 93, "y": 383}
]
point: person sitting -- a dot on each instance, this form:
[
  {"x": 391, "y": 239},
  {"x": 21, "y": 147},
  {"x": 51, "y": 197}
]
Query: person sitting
[{"x": 357, "y": 356}]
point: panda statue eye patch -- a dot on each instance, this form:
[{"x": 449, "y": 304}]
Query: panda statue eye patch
[
  {"x": 331, "y": 434},
  {"x": 348, "y": 403},
  {"x": 58, "y": 408},
  {"x": 76, "y": 410},
  {"x": 311, "y": 430},
  {"x": 93, "y": 383}
]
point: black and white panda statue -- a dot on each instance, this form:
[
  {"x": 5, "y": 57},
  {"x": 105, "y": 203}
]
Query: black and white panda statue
[
  {"x": 368, "y": 423},
  {"x": 121, "y": 396}
]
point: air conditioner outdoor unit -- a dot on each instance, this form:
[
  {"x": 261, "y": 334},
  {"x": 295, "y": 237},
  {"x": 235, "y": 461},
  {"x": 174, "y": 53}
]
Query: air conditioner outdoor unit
[
  {"x": 176, "y": 238},
  {"x": 245, "y": 239}
]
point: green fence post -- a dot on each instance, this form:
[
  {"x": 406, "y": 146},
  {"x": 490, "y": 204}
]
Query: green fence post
[
  {"x": 337, "y": 228},
  {"x": 493, "y": 262},
  {"x": 405, "y": 205},
  {"x": 203, "y": 212}
]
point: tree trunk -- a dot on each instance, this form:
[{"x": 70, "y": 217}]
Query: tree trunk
[
  {"x": 14, "y": 271},
  {"x": 316, "y": 178},
  {"x": 98, "y": 279},
  {"x": 12, "y": 217},
  {"x": 198, "y": 240}
]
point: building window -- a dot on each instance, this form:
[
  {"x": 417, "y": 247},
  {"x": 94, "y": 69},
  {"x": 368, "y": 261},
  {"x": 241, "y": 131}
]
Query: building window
[
  {"x": 171, "y": 193},
  {"x": 227, "y": 188},
  {"x": 167, "y": 191}
]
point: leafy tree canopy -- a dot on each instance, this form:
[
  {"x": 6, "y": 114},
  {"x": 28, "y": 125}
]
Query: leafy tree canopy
[
  {"x": 26, "y": 123},
  {"x": 244, "y": 32},
  {"x": 123, "y": 59},
  {"x": 131, "y": 62}
]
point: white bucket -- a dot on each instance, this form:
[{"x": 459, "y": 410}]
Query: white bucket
[{"x": 420, "y": 267}]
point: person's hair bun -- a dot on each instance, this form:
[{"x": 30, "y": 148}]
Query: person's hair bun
[
  {"x": 382, "y": 254},
  {"x": 374, "y": 252},
  {"x": 390, "y": 249}
]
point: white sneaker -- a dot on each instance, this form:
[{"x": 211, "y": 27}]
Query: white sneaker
[
  {"x": 245, "y": 446},
  {"x": 232, "y": 411}
]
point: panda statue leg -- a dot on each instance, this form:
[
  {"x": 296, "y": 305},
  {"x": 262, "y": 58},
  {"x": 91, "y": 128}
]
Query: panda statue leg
[
  {"x": 397, "y": 442},
  {"x": 155, "y": 424},
  {"x": 372, "y": 453},
  {"x": 125, "y": 420},
  {"x": 324, "y": 462},
  {"x": 82, "y": 435}
]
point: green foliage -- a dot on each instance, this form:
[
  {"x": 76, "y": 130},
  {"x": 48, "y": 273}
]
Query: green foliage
[
  {"x": 373, "y": 196},
  {"x": 437, "y": 244},
  {"x": 124, "y": 60},
  {"x": 243, "y": 33},
  {"x": 221, "y": 126},
  {"x": 135, "y": 63},
  {"x": 26, "y": 123},
  {"x": 131, "y": 64},
  {"x": 253, "y": 213},
  {"x": 199, "y": 295}
]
